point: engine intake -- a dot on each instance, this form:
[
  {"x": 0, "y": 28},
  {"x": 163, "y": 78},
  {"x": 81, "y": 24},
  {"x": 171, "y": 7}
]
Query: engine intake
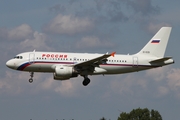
[{"x": 64, "y": 73}]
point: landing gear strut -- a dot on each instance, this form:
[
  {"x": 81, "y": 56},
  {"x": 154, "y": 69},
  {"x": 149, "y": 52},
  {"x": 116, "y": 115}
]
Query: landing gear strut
[
  {"x": 86, "y": 81},
  {"x": 31, "y": 75}
]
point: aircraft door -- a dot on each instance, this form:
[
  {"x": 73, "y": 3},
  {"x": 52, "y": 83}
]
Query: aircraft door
[
  {"x": 135, "y": 61},
  {"x": 31, "y": 58}
]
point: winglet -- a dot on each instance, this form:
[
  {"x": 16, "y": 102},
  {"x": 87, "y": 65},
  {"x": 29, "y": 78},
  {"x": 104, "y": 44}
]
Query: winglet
[{"x": 113, "y": 53}]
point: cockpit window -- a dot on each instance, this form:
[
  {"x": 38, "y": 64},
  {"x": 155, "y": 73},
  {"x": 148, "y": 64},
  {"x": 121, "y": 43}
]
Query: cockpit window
[{"x": 18, "y": 57}]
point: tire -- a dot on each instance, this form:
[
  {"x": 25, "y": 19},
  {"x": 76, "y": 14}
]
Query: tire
[
  {"x": 30, "y": 80},
  {"x": 86, "y": 81}
]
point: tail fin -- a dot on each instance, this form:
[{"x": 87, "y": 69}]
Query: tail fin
[{"x": 157, "y": 45}]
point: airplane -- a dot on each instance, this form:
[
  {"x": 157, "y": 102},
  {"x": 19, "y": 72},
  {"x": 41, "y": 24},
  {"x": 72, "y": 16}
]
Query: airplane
[{"x": 66, "y": 65}]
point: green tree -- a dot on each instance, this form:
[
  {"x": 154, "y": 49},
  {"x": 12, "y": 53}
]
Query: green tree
[
  {"x": 140, "y": 114},
  {"x": 155, "y": 115},
  {"x": 124, "y": 116},
  {"x": 102, "y": 118}
]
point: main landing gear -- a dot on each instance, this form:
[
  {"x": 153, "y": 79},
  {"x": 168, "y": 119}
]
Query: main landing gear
[
  {"x": 86, "y": 81},
  {"x": 31, "y": 75}
]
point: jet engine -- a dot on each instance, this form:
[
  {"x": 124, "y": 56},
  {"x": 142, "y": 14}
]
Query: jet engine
[{"x": 64, "y": 73}]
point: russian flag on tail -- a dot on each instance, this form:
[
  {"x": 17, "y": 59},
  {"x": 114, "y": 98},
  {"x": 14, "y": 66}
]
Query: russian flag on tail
[{"x": 155, "y": 41}]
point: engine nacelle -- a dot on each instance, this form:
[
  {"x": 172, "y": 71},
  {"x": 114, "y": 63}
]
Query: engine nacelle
[{"x": 64, "y": 73}]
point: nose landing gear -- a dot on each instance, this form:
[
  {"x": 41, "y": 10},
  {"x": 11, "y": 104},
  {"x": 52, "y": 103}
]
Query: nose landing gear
[{"x": 31, "y": 75}]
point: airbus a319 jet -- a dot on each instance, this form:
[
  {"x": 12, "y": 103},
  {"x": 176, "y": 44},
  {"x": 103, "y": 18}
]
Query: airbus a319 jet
[{"x": 66, "y": 65}]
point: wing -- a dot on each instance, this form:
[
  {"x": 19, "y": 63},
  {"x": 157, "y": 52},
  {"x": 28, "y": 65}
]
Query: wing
[
  {"x": 88, "y": 67},
  {"x": 97, "y": 60}
]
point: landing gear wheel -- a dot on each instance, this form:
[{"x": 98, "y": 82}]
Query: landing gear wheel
[
  {"x": 31, "y": 75},
  {"x": 86, "y": 81},
  {"x": 30, "y": 80}
]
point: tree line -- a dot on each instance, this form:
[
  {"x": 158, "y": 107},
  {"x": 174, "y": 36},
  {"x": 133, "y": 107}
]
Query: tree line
[{"x": 139, "y": 114}]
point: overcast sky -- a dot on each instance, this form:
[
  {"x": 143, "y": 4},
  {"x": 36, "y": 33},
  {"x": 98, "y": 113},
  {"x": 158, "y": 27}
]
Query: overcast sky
[{"x": 95, "y": 26}]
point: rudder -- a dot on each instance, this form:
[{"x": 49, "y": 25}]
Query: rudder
[{"x": 157, "y": 45}]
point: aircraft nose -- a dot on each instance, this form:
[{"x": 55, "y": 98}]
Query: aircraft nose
[{"x": 10, "y": 64}]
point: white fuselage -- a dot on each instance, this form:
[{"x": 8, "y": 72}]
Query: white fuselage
[{"x": 47, "y": 61}]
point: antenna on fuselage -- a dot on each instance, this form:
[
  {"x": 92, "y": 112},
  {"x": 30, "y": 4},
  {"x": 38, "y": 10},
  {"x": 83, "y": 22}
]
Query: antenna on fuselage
[{"x": 34, "y": 50}]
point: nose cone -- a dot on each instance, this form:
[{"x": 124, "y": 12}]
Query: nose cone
[{"x": 10, "y": 64}]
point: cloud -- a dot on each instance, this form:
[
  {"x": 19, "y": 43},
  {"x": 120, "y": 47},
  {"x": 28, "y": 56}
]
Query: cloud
[
  {"x": 144, "y": 13},
  {"x": 112, "y": 11},
  {"x": 11, "y": 83},
  {"x": 47, "y": 84},
  {"x": 167, "y": 80},
  {"x": 68, "y": 24},
  {"x": 92, "y": 42},
  {"x": 20, "y": 33},
  {"x": 158, "y": 82},
  {"x": 154, "y": 27},
  {"x": 3, "y": 33},
  {"x": 21, "y": 38},
  {"x": 66, "y": 88},
  {"x": 37, "y": 42},
  {"x": 58, "y": 8},
  {"x": 171, "y": 76},
  {"x": 29, "y": 39},
  {"x": 162, "y": 90},
  {"x": 117, "y": 16},
  {"x": 157, "y": 74},
  {"x": 174, "y": 79},
  {"x": 144, "y": 7},
  {"x": 14, "y": 83},
  {"x": 129, "y": 84}
]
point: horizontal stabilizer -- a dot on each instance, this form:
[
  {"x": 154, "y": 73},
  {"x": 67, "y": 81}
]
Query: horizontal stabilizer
[{"x": 160, "y": 60}]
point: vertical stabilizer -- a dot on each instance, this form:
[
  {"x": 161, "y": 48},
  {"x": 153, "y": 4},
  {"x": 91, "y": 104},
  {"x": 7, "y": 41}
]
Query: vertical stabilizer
[{"x": 157, "y": 45}]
